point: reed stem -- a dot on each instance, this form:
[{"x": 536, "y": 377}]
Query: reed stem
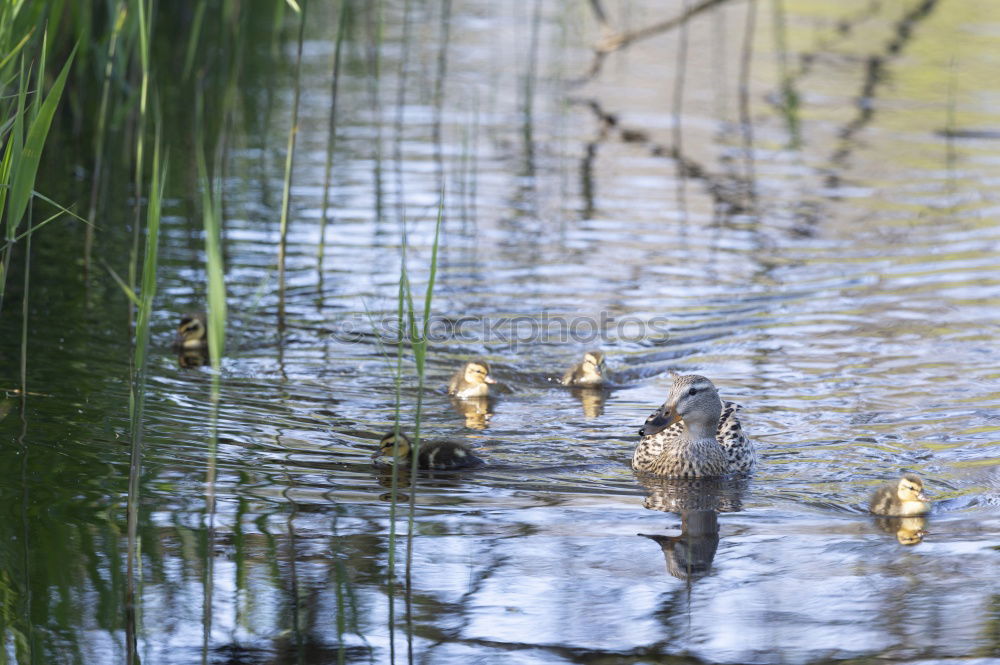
[{"x": 289, "y": 161}]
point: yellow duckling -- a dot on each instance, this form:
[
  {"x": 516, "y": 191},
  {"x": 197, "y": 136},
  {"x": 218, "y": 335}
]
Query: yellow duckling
[
  {"x": 903, "y": 499},
  {"x": 471, "y": 380},
  {"x": 192, "y": 333},
  {"x": 438, "y": 456},
  {"x": 587, "y": 372}
]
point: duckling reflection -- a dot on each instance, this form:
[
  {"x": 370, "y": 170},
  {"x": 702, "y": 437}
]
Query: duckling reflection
[
  {"x": 477, "y": 411},
  {"x": 592, "y": 400},
  {"x": 690, "y": 555},
  {"x": 908, "y": 530}
]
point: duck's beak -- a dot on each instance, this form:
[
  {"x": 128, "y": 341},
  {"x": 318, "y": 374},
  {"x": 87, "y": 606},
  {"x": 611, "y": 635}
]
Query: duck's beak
[
  {"x": 489, "y": 379},
  {"x": 921, "y": 496}
]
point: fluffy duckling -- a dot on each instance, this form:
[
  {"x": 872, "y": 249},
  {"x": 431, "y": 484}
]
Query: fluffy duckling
[
  {"x": 693, "y": 434},
  {"x": 589, "y": 372},
  {"x": 902, "y": 499},
  {"x": 192, "y": 332},
  {"x": 471, "y": 380},
  {"x": 438, "y": 456}
]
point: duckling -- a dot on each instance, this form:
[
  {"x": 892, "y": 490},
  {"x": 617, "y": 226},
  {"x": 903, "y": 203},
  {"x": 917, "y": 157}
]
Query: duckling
[
  {"x": 902, "y": 499},
  {"x": 588, "y": 372},
  {"x": 192, "y": 332},
  {"x": 471, "y": 380},
  {"x": 694, "y": 434},
  {"x": 438, "y": 456}
]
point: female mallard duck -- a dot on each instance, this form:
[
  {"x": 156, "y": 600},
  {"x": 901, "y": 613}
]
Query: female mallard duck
[
  {"x": 902, "y": 499},
  {"x": 437, "y": 456},
  {"x": 471, "y": 380},
  {"x": 587, "y": 373},
  {"x": 191, "y": 333},
  {"x": 693, "y": 435}
]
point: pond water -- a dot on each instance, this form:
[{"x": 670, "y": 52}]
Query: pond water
[{"x": 834, "y": 271}]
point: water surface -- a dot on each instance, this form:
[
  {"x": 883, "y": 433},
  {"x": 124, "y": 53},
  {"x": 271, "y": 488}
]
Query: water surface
[{"x": 835, "y": 272}]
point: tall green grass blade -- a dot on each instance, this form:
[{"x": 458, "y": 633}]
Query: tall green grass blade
[
  {"x": 140, "y": 143},
  {"x": 194, "y": 38},
  {"x": 126, "y": 289},
  {"x": 138, "y": 397},
  {"x": 17, "y": 48},
  {"x": 35, "y": 227},
  {"x": 16, "y": 142},
  {"x": 289, "y": 161},
  {"x": 332, "y": 133},
  {"x": 102, "y": 117},
  {"x": 419, "y": 343},
  {"x": 24, "y": 316},
  {"x": 27, "y": 166},
  {"x": 5, "y": 171}
]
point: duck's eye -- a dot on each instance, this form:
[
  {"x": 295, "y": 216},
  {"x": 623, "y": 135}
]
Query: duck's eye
[{"x": 693, "y": 391}]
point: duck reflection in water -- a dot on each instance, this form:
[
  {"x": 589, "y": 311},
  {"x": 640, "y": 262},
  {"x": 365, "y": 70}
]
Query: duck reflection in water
[
  {"x": 690, "y": 555},
  {"x": 908, "y": 530},
  {"x": 698, "y": 501},
  {"x": 592, "y": 400},
  {"x": 476, "y": 411}
]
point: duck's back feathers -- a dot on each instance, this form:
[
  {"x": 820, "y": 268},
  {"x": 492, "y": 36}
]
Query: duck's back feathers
[
  {"x": 882, "y": 500},
  {"x": 446, "y": 456}
]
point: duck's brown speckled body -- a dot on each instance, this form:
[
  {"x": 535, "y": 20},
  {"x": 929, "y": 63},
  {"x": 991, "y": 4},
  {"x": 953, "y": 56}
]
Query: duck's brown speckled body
[
  {"x": 437, "y": 456},
  {"x": 694, "y": 434}
]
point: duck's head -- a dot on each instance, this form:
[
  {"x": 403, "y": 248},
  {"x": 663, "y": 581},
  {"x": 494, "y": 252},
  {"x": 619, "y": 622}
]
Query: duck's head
[
  {"x": 393, "y": 444},
  {"x": 694, "y": 399},
  {"x": 477, "y": 372},
  {"x": 191, "y": 332},
  {"x": 593, "y": 364},
  {"x": 910, "y": 488}
]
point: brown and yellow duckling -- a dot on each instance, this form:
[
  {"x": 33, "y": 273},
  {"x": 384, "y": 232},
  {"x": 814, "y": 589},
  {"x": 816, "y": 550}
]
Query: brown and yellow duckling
[
  {"x": 694, "y": 434},
  {"x": 471, "y": 380},
  {"x": 436, "y": 456},
  {"x": 904, "y": 498},
  {"x": 192, "y": 333},
  {"x": 588, "y": 373}
]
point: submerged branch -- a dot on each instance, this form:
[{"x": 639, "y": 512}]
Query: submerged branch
[
  {"x": 612, "y": 40},
  {"x": 727, "y": 192}
]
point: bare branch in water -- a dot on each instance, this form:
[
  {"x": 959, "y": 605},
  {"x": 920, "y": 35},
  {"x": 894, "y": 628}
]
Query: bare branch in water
[{"x": 611, "y": 40}]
